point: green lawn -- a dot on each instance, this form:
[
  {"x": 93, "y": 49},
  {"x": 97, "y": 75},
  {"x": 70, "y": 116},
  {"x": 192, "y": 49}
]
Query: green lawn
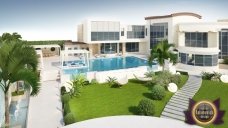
[
  {"x": 101, "y": 100},
  {"x": 211, "y": 90}
]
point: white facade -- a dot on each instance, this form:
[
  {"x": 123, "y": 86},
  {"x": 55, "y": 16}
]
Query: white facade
[{"x": 194, "y": 39}]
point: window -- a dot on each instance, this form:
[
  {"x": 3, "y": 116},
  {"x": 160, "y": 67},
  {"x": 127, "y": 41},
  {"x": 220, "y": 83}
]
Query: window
[
  {"x": 199, "y": 60},
  {"x": 104, "y": 36},
  {"x": 223, "y": 43},
  {"x": 136, "y": 31},
  {"x": 69, "y": 48},
  {"x": 195, "y": 39},
  {"x": 132, "y": 47},
  {"x": 108, "y": 48},
  {"x": 158, "y": 32},
  {"x": 122, "y": 32}
]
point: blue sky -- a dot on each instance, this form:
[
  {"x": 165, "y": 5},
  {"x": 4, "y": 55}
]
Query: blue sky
[{"x": 58, "y": 19}]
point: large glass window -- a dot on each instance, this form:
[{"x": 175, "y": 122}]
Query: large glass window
[
  {"x": 132, "y": 47},
  {"x": 104, "y": 36},
  {"x": 108, "y": 48},
  {"x": 198, "y": 60},
  {"x": 223, "y": 43},
  {"x": 158, "y": 32},
  {"x": 135, "y": 31},
  {"x": 196, "y": 39}
]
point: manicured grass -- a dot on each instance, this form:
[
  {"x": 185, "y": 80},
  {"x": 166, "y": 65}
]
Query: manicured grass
[
  {"x": 101, "y": 100},
  {"x": 17, "y": 94},
  {"x": 211, "y": 90}
]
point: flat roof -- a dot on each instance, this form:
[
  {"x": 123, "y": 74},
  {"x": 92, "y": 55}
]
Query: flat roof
[
  {"x": 174, "y": 15},
  {"x": 46, "y": 46},
  {"x": 73, "y": 42}
]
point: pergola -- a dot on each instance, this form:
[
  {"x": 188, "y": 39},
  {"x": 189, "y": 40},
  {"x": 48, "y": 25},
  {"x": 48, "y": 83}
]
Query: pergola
[{"x": 68, "y": 58}]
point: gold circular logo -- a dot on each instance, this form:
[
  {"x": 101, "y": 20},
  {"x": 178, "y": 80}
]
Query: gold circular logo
[{"x": 204, "y": 112}]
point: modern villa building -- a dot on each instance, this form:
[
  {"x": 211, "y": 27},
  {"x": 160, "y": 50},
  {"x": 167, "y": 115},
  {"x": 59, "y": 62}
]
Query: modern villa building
[{"x": 199, "y": 44}]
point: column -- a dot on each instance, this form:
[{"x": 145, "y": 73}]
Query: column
[{"x": 123, "y": 48}]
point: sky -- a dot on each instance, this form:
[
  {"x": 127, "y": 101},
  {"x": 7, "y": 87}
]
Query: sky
[{"x": 58, "y": 19}]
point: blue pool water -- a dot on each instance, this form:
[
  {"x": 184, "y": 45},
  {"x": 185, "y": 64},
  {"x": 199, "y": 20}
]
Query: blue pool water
[{"x": 105, "y": 64}]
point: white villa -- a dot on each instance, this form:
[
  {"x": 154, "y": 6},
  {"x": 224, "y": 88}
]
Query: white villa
[{"x": 200, "y": 44}]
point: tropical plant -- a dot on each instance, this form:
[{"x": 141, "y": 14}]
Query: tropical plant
[
  {"x": 111, "y": 81},
  {"x": 7, "y": 37},
  {"x": 76, "y": 84},
  {"x": 18, "y": 62},
  {"x": 146, "y": 107},
  {"x": 149, "y": 74},
  {"x": 162, "y": 52},
  {"x": 158, "y": 92}
]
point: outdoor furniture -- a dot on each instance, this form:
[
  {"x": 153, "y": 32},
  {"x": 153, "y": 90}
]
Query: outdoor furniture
[{"x": 172, "y": 87}]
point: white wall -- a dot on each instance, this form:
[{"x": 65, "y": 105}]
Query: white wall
[
  {"x": 80, "y": 32},
  {"x": 2, "y": 107}
]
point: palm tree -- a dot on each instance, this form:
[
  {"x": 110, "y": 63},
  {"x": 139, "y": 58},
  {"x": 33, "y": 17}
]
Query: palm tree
[
  {"x": 161, "y": 52},
  {"x": 18, "y": 62},
  {"x": 7, "y": 37}
]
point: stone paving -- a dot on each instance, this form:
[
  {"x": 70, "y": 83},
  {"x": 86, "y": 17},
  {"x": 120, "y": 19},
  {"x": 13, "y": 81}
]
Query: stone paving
[{"x": 179, "y": 101}]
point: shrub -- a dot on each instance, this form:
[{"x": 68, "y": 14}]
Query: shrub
[
  {"x": 225, "y": 60},
  {"x": 69, "y": 119},
  {"x": 146, "y": 107},
  {"x": 93, "y": 81},
  {"x": 150, "y": 83},
  {"x": 158, "y": 92},
  {"x": 175, "y": 79},
  {"x": 66, "y": 109},
  {"x": 183, "y": 72},
  {"x": 63, "y": 90},
  {"x": 206, "y": 75},
  {"x": 215, "y": 76},
  {"x": 162, "y": 78},
  {"x": 65, "y": 98}
]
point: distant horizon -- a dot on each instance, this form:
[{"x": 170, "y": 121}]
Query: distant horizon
[{"x": 58, "y": 20}]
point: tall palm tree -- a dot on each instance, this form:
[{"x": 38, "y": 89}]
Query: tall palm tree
[
  {"x": 161, "y": 52},
  {"x": 18, "y": 62}
]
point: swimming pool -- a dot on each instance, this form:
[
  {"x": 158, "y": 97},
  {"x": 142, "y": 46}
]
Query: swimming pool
[{"x": 105, "y": 64}]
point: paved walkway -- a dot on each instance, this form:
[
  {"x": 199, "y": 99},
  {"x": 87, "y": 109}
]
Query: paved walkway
[
  {"x": 179, "y": 102},
  {"x": 45, "y": 108}
]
